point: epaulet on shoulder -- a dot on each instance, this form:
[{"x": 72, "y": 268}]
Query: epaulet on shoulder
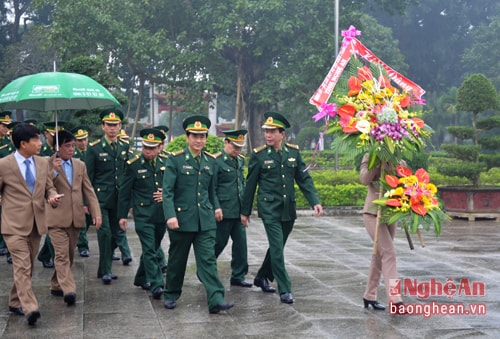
[
  {"x": 131, "y": 161},
  {"x": 3, "y": 146},
  {"x": 93, "y": 143},
  {"x": 176, "y": 153},
  {"x": 259, "y": 149},
  {"x": 292, "y": 146},
  {"x": 163, "y": 155},
  {"x": 241, "y": 156},
  {"x": 125, "y": 141},
  {"x": 214, "y": 156}
]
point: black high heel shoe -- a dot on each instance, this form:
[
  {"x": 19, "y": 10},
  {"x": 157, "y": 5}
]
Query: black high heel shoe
[{"x": 374, "y": 303}]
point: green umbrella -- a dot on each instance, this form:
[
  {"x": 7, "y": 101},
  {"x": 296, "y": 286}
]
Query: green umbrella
[{"x": 53, "y": 91}]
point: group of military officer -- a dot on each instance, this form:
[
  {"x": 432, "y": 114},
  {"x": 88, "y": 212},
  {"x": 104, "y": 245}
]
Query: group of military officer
[{"x": 200, "y": 199}]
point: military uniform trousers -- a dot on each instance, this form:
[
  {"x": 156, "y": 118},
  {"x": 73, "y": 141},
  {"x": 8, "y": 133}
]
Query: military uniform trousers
[
  {"x": 150, "y": 236},
  {"x": 273, "y": 266},
  {"x": 203, "y": 243},
  {"x": 119, "y": 239},
  {"x": 105, "y": 239},
  {"x": 239, "y": 262},
  {"x": 47, "y": 251},
  {"x": 64, "y": 241},
  {"x": 83, "y": 240}
]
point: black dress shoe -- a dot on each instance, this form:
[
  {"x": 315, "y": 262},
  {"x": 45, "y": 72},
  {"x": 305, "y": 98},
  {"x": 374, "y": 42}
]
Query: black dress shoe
[
  {"x": 33, "y": 317},
  {"x": 241, "y": 283},
  {"x": 113, "y": 276},
  {"x": 264, "y": 285},
  {"x": 3, "y": 251},
  {"x": 286, "y": 298},
  {"x": 157, "y": 293},
  {"x": 47, "y": 264},
  {"x": 374, "y": 303},
  {"x": 106, "y": 279},
  {"x": 115, "y": 258},
  {"x": 9, "y": 259},
  {"x": 170, "y": 304},
  {"x": 16, "y": 310},
  {"x": 145, "y": 286},
  {"x": 126, "y": 260},
  {"x": 70, "y": 298},
  {"x": 84, "y": 253},
  {"x": 220, "y": 307},
  {"x": 57, "y": 293}
]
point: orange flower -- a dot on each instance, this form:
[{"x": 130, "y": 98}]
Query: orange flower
[
  {"x": 403, "y": 171},
  {"x": 419, "y": 209},
  {"x": 392, "y": 181},
  {"x": 354, "y": 86},
  {"x": 393, "y": 202},
  {"x": 405, "y": 101},
  {"x": 364, "y": 74},
  {"x": 419, "y": 122},
  {"x": 422, "y": 176}
]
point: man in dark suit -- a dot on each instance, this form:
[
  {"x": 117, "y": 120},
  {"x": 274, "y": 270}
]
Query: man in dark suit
[
  {"x": 188, "y": 206},
  {"x": 64, "y": 223},
  {"x": 25, "y": 182},
  {"x": 81, "y": 134},
  {"x": 105, "y": 162},
  {"x": 274, "y": 167},
  {"x": 229, "y": 187},
  {"x": 141, "y": 189}
]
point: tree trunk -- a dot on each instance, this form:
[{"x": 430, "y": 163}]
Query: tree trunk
[{"x": 138, "y": 110}]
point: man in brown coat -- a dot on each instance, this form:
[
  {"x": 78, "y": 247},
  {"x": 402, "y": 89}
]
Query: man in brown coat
[
  {"x": 25, "y": 184},
  {"x": 64, "y": 223}
]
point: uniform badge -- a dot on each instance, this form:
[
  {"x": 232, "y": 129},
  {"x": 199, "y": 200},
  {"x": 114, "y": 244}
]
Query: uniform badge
[
  {"x": 291, "y": 159},
  {"x": 189, "y": 167},
  {"x": 142, "y": 170},
  {"x": 103, "y": 154},
  {"x": 267, "y": 162}
]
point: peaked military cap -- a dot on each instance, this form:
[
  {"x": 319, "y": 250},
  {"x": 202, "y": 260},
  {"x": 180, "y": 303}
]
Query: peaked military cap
[
  {"x": 31, "y": 121},
  {"x": 236, "y": 137},
  {"x": 80, "y": 132},
  {"x": 275, "y": 120},
  {"x": 111, "y": 116},
  {"x": 51, "y": 126},
  {"x": 162, "y": 128},
  {"x": 197, "y": 124},
  {"x": 151, "y": 137},
  {"x": 5, "y": 117}
]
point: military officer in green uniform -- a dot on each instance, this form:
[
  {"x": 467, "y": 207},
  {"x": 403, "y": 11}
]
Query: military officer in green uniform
[
  {"x": 105, "y": 162},
  {"x": 81, "y": 134},
  {"x": 164, "y": 130},
  {"x": 274, "y": 167},
  {"x": 230, "y": 184},
  {"x": 141, "y": 189},
  {"x": 46, "y": 254},
  {"x": 6, "y": 148},
  {"x": 188, "y": 206}
]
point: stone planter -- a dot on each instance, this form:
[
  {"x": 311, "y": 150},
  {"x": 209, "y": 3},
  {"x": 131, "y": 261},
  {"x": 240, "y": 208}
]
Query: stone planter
[{"x": 471, "y": 202}]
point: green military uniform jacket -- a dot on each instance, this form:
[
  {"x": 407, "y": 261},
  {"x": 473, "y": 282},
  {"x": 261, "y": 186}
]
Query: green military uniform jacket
[
  {"x": 275, "y": 175},
  {"x": 79, "y": 154},
  {"x": 140, "y": 181},
  {"x": 46, "y": 150},
  {"x": 230, "y": 184},
  {"x": 6, "y": 146},
  {"x": 105, "y": 169},
  {"x": 189, "y": 191}
]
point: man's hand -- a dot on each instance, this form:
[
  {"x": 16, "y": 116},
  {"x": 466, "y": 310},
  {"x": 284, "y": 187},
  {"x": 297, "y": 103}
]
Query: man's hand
[
  {"x": 97, "y": 221},
  {"x": 318, "y": 210},
  {"x": 173, "y": 223},
  {"x": 158, "y": 196},
  {"x": 57, "y": 163},
  {"x": 54, "y": 200},
  {"x": 245, "y": 220},
  {"x": 218, "y": 214},
  {"x": 123, "y": 224}
]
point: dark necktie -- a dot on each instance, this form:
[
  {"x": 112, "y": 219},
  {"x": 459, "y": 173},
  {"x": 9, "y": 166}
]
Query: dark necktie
[
  {"x": 113, "y": 146},
  {"x": 198, "y": 159},
  {"x": 30, "y": 179}
]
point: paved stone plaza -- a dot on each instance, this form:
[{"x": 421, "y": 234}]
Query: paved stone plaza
[{"x": 327, "y": 260}]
